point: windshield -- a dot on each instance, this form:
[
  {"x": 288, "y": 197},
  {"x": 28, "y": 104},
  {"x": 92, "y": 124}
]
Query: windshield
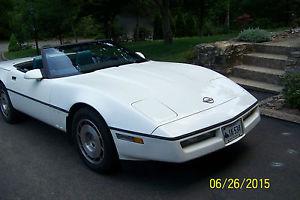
[{"x": 83, "y": 58}]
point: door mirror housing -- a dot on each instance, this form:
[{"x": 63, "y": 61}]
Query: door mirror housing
[
  {"x": 34, "y": 74},
  {"x": 140, "y": 54}
]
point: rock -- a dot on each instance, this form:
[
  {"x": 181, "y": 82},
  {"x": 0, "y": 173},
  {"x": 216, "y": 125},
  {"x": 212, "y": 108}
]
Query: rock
[
  {"x": 220, "y": 56},
  {"x": 293, "y": 64}
]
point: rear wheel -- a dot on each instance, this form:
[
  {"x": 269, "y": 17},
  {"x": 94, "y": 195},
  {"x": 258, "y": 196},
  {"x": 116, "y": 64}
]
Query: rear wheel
[
  {"x": 9, "y": 114},
  {"x": 94, "y": 141}
]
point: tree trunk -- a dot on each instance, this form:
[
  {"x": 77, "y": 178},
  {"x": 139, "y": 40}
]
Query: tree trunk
[
  {"x": 60, "y": 37},
  {"x": 108, "y": 29},
  {"x": 228, "y": 15},
  {"x": 201, "y": 17},
  {"x": 164, "y": 6},
  {"x": 75, "y": 33},
  {"x": 36, "y": 43},
  {"x": 137, "y": 26}
]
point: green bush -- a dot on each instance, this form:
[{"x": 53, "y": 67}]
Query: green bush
[
  {"x": 291, "y": 89},
  {"x": 254, "y": 35},
  {"x": 13, "y": 44}
]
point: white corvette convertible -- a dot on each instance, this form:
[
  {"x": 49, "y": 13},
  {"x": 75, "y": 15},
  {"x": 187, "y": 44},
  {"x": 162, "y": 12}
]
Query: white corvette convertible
[{"x": 118, "y": 105}]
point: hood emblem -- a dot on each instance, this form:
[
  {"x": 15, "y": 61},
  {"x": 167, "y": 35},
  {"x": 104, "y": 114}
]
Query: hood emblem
[{"x": 208, "y": 100}]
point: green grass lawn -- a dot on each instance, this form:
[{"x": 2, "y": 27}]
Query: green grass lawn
[
  {"x": 179, "y": 51},
  {"x": 20, "y": 54}
]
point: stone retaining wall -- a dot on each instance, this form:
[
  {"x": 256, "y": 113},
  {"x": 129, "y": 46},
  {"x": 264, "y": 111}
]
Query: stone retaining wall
[
  {"x": 293, "y": 66},
  {"x": 221, "y": 56}
]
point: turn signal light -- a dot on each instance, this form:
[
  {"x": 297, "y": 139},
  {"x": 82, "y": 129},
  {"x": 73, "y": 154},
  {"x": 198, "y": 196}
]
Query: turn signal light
[
  {"x": 130, "y": 138},
  {"x": 138, "y": 140}
]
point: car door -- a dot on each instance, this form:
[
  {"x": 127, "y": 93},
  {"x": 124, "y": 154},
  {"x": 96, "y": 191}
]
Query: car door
[{"x": 30, "y": 96}]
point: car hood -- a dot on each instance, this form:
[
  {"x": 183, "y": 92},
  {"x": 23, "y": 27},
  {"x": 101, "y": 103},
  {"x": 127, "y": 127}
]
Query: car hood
[{"x": 160, "y": 90}]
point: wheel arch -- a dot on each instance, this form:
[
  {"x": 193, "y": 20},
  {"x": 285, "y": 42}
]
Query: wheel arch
[
  {"x": 74, "y": 108},
  {"x": 1, "y": 83}
]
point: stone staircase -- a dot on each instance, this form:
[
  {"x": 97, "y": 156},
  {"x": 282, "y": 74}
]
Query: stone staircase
[{"x": 263, "y": 68}]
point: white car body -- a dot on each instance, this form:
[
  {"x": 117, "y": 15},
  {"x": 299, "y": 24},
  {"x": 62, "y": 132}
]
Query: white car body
[{"x": 160, "y": 102}]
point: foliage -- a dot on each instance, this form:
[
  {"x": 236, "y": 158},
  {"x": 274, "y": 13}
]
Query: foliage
[
  {"x": 56, "y": 16},
  {"x": 5, "y": 7},
  {"x": 29, "y": 19},
  {"x": 185, "y": 25},
  {"x": 144, "y": 33},
  {"x": 190, "y": 26},
  {"x": 87, "y": 27},
  {"x": 179, "y": 51},
  {"x": 291, "y": 90},
  {"x": 105, "y": 12},
  {"x": 157, "y": 28},
  {"x": 29, "y": 52},
  {"x": 19, "y": 26},
  {"x": 254, "y": 35},
  {"x": 180, "y": 27},
  {"x": 209, "y": 28},
  {"x": 13, "y": 44}
]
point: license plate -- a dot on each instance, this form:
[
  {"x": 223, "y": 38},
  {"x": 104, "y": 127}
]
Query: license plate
[{"x": 232, "y": 131}]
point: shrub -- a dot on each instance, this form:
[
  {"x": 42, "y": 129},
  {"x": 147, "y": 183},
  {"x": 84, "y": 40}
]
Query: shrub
[
  {"x": 254, "y": 35},
  {"x": 13, "y": 44},
  {"x": 291, "y": 89}
]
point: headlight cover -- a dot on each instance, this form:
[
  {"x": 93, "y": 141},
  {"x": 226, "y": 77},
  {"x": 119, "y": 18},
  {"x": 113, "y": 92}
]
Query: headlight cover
[{"x": 155, "y": 110}]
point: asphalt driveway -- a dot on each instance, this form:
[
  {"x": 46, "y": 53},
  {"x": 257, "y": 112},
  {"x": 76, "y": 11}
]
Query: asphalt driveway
[{"x": 38, "y": 162}]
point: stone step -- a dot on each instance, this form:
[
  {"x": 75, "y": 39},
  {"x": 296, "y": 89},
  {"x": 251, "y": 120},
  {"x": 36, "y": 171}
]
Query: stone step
[
  {"x": 262, "y": 74},
  {"x": 256, "y": 85},
  {"x": 273, "y": 49},
  {"x": 266, "y": 60}
]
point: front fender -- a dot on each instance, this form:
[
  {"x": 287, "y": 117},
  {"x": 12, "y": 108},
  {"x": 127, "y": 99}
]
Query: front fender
[{"x": 117, "y": 114}]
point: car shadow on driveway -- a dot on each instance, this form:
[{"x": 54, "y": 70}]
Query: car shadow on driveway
[
  {"x": 182, "y": 174},
  {"x": 36, "y": 154}
]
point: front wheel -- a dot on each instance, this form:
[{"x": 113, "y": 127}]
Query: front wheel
[
  {"x": 9, "y": 114},
  {"x": 94, "y": 141}
]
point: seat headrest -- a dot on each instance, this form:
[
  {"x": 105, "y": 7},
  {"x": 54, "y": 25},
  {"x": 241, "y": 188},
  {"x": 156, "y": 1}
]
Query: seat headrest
[
  {"x": 84, "y": 58},
  {"x": 37, "y": 62}
]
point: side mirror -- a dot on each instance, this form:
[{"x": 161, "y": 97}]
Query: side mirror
[
  {"x": 140, "y": 54},
  {"x": 34, "y": 74}
]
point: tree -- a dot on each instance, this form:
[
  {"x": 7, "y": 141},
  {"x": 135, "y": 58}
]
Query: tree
[
  {"x": 5, "y": 8},
  {"x": 180, "y": 25},
  {"x": 157, "y": 28},
  {"x": 190, "y": 26},
  {"x": 105, "y": 12},
  {"x": 13, "y": 44},
  {"x": 139, "y": 9},
  {"x": 58, "y": 17},
  {"x": 199, "y": 9},
  {"x": 227, "y": 21},
  {"x": 164, "y": 9}
]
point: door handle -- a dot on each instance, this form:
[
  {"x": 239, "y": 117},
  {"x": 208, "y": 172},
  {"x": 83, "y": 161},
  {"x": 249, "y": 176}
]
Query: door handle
[{"x": 13, "y": 78}]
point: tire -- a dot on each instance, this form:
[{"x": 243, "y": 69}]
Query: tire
[
  {"x": 94, "y": 141},
  {"x": 9, "y": 114}
]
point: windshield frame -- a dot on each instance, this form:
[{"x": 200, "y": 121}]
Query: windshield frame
[{"x": 46, "y": 68}]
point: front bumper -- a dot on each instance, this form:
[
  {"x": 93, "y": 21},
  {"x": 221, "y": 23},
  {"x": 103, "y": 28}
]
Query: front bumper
[{"x": 172, "y": 149}]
